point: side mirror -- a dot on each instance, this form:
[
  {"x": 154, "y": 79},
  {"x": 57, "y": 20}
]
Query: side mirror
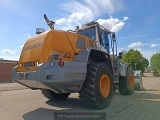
[{"x": 120, "y": 55}]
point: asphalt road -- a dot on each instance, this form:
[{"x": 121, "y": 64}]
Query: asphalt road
[{"x": 26, "y": 104}]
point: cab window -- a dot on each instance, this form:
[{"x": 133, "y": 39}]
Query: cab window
[{"x": 89, "y": 32}]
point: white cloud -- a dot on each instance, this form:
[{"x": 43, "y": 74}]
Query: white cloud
[
  {"x": 113, "y": 24},
  {"x": 9, "y": 51},
  {"x": 125, "y": 18},
  {"x": 87, "y": 11},
  {"x": 139, "y": 49},
  {"x": 21, "y": 46},
  {"x": 60, "y": 21},
  {"x": 154, "y": 45},
  {"x": 99, "y": 7},
  {"x": 135, "y": 45}
]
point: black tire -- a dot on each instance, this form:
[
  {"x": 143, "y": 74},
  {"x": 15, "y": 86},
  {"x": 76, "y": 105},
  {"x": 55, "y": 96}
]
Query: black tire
[
  {"x": 90, "y": 92},
  {"x": 125, "y": 86},
  {"x": 54, "y": 96}
]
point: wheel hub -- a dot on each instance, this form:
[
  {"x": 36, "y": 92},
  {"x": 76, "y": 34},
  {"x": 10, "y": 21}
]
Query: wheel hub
[
  {"x": 105, "y": 85},
  {"x": 131, "y": 80}
]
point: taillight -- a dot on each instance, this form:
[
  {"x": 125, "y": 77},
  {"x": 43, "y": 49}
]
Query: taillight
[{"x": 61, "y": 63}]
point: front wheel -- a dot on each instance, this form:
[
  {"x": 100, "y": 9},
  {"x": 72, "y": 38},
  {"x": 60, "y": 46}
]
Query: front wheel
[
  {"x": 97, "y": 90},
  {"x": 126, "y": 84}
]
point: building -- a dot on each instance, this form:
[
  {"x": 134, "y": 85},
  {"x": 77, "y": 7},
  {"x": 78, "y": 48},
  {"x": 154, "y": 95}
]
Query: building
[{"x": 6, "y": 67}]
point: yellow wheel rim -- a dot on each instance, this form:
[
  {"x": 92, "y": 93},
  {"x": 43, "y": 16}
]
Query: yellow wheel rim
[
  {"x": 131, "y": 80},
  {"x": 105, "y": 85}
]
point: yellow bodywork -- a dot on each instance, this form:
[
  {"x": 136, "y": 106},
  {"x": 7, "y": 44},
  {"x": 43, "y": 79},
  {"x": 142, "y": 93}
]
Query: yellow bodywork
[{"x": 38, "y": 49}]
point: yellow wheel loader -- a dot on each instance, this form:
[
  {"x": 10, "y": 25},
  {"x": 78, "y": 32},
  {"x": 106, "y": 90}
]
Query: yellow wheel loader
[{"x": 63, "y": 62}]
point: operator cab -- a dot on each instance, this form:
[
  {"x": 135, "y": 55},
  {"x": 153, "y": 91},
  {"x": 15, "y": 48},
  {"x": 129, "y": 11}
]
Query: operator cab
[{"x": 97, "y": 33}]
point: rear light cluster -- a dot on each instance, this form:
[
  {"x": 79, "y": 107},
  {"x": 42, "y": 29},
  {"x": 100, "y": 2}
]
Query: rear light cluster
[
  {"x": 61, "y": 63},
  {"x": 53, "y": 58}
]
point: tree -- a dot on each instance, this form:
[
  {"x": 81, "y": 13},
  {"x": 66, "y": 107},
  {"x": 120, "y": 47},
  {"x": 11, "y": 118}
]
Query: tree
[
  {"x": 145, "y": 62},
  {"x": 135, "y": 59},
  {"x": 155, "y": 61}
]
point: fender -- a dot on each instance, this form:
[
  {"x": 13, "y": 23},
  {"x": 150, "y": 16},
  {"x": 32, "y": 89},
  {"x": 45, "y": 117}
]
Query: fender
[
  {"x": 123, "y": 69},
  {"x": 93, "y": 55}
]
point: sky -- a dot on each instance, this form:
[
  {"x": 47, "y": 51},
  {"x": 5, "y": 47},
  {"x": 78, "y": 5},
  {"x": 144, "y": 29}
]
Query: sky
[{"x": 136, "y": 22}]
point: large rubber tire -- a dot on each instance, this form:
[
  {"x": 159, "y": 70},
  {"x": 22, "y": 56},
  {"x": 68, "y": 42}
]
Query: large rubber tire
[
  {"x": 54, "y": 96},
  {"x": 126, "y": 84},
  {"x": 93, "y": 93}
]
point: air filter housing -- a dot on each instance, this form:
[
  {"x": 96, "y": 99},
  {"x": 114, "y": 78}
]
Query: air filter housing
[{"x": 39, "y": 30}]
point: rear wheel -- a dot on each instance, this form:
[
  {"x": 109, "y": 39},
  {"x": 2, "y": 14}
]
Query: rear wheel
[
  {"x": 126, "y": 84},
  {"x": 54, "y": 96},
  {"x": 97, "y": 90}
]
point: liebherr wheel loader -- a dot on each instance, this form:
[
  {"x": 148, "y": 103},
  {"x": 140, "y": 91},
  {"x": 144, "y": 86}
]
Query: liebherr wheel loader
[{"x": 63, "y": 62}]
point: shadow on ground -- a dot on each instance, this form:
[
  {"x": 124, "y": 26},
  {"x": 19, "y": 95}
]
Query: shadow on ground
[
  {"x": 71, "y": 106},
  {"x": 71, "y": 103},
  {"x": 121, "y": 104}
]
